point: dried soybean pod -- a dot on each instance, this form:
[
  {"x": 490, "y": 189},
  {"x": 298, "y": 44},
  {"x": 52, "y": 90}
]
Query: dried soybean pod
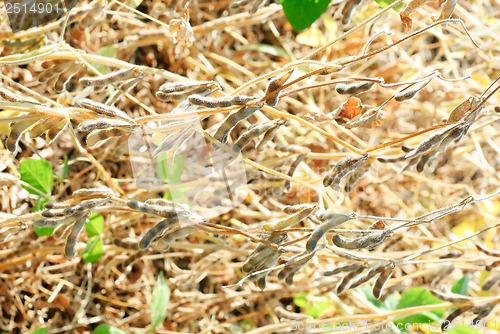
[
  {"x": 269, "y": 135},
  {"x": 447, "y": 10},
  {"x": 426, "y": 146},
  {"x": 461, "y": 110},
  {"x": 97, "y": 136},
  {"x": 453, "y": 315},
  {"x": 220, "y": 102},
  {"x": 449, "y": 296},
  {"x": 127, "y": 243},
  {"x": 15, "y": 98},
  {"x": 74, "y": 210},
  {"x": 369, "y": 275},
  {"x": 16, "y": 130},
  {"x": 289, "y": 221},
  {"x": 491, "y": 282},
  {"x": 158, "y": 210},
  {"x": 381, "y": 280},
  {"x": 349, "y": 267},
  {"x": 344, "y": 168},
  {"x": 370, "y": 241},
  {"x": 93, "y": 203},
  {"x": 51, "y": 222},
  {"x": 296, "y": 208},
  {"x": 98, "y": 124},
  {"x": 291, "y": 269},
  {"x": 230, "y": 122},
  {"x": 54, "y": 213},
  {"x": 487, "y": 251},
  {"x": 53, "y": 133},
  {"x": 43, "y": 125},
  {"x": 92, "y": 192},
  {"x": 275, "y": 84},
  {"x": 256, "y": 257},
  {"x": 54, "y": 205},
  {"x": 335, "y": 219},
  {"x": 348, "y": 10},
  {"x": 442, "y": 273},
  {"x": 294, "y": 166},
  {"x": 166, "y": 240},
  {"x": 154, "y": 232},
  {"x": 112, "y": 77},
  {"x": 253, "y": 132},
  {"x": 354, "y": 88},
  {"x": 69, "y": 248},
  {"x": 103, "y": 109},
  {"x": 483, "y": 313},
  {"x": 411, "y": 91},
  {"x": 348, "y": 278}
]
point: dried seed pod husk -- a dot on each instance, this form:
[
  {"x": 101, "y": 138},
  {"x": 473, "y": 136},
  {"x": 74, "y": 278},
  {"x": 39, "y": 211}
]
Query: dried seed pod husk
[
  {"x": 93, "y": 192},
  {"x": 156, "y": 232},
  {"x": 43, "y": 125},
  {"x": 492, "y": 265},
  {"x": 164, "y": 242},
  {"x": 55, "y": 205},
  {"x": 463, "y": 109},
  {"x": 112, "y": 77},
  {"x": 381, "y": 280},
  {"x": 296, "y": 208},
  {"x": 294, "y": 166},
  {"x": 349, "y": 267},
  {"x": 16, "y": 130},
  {"x": 179, "y": 91},
  {"x": 344, "y": 168},
  {"x": 93, "y": 203},
  {"x": 253, "y": 132},
  {"x": 127, "y": 243},
  {"x": 370, "y": 241},
  {"x": 370, "y": 118},
  {"x": 483, "y": 313},
  {"x": 173, "y": 141},
  {"x": 263, "y": 251},
  {"x": 411, "y": 91},
  {"x": 76, "y": 229},
  {"x": 102, "y": 109},
  {"x": 53, "y": 222},
  {"x": 53, "y": 133},
  {"x": 349, "y": 8},
  {"x": 430, "y": 143},
  {"x": 348, "y": 278},
  {"x": 97, "y": 136},
  {"x": 354, "y": 88},
  {"x": 54, "y": 213},
  {"x": 369, "y": 275},
  {"x": 447, "y": 10},
  {"x": 163, "y": 211},
  {"x": 488, "y": 251},
  {"x": 289, "y": 221},
  {"x": 15, "y": 98},
  {"x": 405, "y": 14},
  {"x": 269, "y": 136},
  {"x": 293, "y": 267},
  {"x": 282, "y": 313},
  {"x": 453, "y": 315},
  {"x": 74, "y": 210},
  {"x": 275, "y": 84},
  {"x": 99, "y": 124},
  {"x": 220, "y": 102},
  {"x": 491, "y": 282},
  {"x": 230, "y": 122},
  {"x": 334, "y": 220},
  {"x": 450, "y": 296}
]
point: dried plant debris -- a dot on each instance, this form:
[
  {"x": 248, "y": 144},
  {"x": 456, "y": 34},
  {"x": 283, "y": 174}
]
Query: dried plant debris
[
  {"x": 329, "y": 221},
  {"x": 371, "y": 241},
  {"x": 180, "y": 91},
  {"x": 111, "y": 78},
  {"x": 342, "y": 169}
]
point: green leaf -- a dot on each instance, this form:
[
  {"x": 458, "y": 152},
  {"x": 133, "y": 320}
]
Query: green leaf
[
  {"x": 314, "y": 306},
  {"x": 66, "y": 167},
  {"x": 106, "y": 329},
  {"x": 385, "y": 3},
  {"x": 462, "y": 286},
  {"x": 42, "y": 231},
  {"x": 390, "y": 303},
  {"x": 159, "y": 302},
  {"x": 105, "y": 51},
  {"x": 93, "y": 251},
  {"x": 419, "y": 296},
  {"x": 38, "y": 174},
  {"x": 269, "y": 49},
  {"x": 171, "y": 173},
  {"x": 302, "y": 13},
  {"x": 95, "y": 224},
  {"x": 44, "y": 330}
]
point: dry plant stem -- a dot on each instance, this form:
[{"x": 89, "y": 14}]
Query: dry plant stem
[
  {"x": 256, "y": 165},
  {"x": 371, "y": 54},
  {"x": 236, "y": 231},
  {"x": 141, "y": 13}
]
